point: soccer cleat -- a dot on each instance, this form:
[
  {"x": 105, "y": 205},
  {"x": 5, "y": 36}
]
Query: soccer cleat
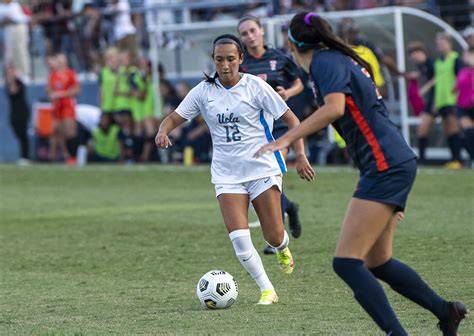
[
  {"x": 285, "y": 261},
  {"x": 268, "y": 297},
  {"x": 453, "y": 165},
  {"x": 457, "y": 311},
  {"x": 294, "y": 220},
  {"x": 269, "y": 250}
]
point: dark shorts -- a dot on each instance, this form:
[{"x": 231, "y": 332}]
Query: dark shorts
[
  {"x": 466, "y": 113},
  {"x": 390, "y": 187},
  {"x": 446, "y": 111}
]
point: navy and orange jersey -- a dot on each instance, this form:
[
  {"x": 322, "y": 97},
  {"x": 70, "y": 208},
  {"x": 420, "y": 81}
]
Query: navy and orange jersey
[
  {"x": 373, "y": 141},
  {"x": 274, "y": 67}
]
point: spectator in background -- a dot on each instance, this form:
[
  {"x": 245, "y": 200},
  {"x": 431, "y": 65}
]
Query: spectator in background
[
  {"x": 124, "y": 30},
  {"x": 146, "y": 96},
  {"x": 465, "y": 101},
  {"x": 63, "y": 87},
  {"x": 15, "y": 22},
  {"x": 107, "y": 79},
  {"x": 104, "y": 145},
  {"x": 19, "y": 110},
  {"x": 447, "y": 67},
  {"x": 468, "y": 35},
  {"x": 349, "y": 31},
  {"x": 424, "y": 76}
]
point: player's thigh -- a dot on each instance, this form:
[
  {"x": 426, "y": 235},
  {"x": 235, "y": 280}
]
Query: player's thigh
[
  {"x": 466, "y": 122},
  {"x": 382, "y": 250},
  {"x": 363, "y": 225},
  {"x": 268, "y": 208},
  {"x": 234, "y": 209},
  {"x": 425, "y": 124},
  {"x": 450, "y": 123}
]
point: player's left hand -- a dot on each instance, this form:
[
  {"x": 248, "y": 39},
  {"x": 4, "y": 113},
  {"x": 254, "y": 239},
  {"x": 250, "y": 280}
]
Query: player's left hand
[
  {"x": 303, "y": 168},
  {"x": 272, "y": 147},
  {"x": 282, "y": 92}
]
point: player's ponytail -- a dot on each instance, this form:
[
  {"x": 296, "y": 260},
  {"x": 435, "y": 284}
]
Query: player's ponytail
[{"x": 309, "y": 30}]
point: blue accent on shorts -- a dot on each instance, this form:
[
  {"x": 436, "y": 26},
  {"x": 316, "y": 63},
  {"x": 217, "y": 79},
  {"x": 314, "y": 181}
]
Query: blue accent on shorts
[
  {"x": 390, "y": 187},
  {"x": 270, "y": 139}
]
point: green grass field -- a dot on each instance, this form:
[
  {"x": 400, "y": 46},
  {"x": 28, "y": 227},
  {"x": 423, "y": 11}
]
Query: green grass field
[{"x": 120, "y": 249}]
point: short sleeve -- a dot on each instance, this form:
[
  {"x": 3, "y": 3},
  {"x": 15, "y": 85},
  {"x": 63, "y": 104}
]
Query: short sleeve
[
  {"x": 189, "y": 107},
  {"x": 331, "y": 73},
  {"x": 269, "y": 100},
  {"x": 292, "y": 72}
]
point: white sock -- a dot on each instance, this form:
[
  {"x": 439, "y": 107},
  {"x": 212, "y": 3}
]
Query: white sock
[
  {"x": 249, "y": 257},
  {"x": 283, "y": 244}
]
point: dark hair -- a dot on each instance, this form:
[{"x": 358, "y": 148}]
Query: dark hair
[
  {"x": 249, "y": 18},
  {"x": 310, "y": 31},
  {"x": 223, "y": 39},
  {"x": 416, "y": 46}
]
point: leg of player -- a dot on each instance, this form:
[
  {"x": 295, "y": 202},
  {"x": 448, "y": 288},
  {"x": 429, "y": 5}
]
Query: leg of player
[
  {"x": 267, "y": 206},
  {"x": 234, "y": 209},
  {"x": 451, "y": 129},
  {"x": 467, "y": 125},
  {"x": 364, "y": 224},
  {"x": 422, "y": 134},
  {"x": 70, "y": 138},
  {"x": 408, "y": 283},
  {"x": 291, "y": 208}
]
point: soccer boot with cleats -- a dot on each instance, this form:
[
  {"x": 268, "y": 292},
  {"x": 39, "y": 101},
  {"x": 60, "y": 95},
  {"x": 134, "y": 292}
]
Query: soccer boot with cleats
[
  {"x": 285, "y": 261},
  {"x": 269, "y": 250},
  {"x": 457, "y": 311},
  {"x": 268, "y": 297},
  {"x": 294, "y": 220}
]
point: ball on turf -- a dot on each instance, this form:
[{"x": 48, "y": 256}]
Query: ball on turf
[{"x": 217, "y": 290}]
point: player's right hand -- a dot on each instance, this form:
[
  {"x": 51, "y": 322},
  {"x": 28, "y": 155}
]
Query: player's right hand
[{"x": 162, "y": 141}]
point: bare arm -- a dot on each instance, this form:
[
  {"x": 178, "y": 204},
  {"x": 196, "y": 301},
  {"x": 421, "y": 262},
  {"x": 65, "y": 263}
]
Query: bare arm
[
  {"x": 172, "y": 121},
  {"x": 295, "y": 88},
  {"x": 303, "y": 167},
  {"x": 72, "y": 92},
  {"x": 333, "y": 109}
]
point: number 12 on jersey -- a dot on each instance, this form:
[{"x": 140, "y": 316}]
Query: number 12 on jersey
[{"x": 232, "y": 133}]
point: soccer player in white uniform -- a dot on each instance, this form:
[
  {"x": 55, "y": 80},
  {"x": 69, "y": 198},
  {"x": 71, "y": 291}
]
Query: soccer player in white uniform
[{"x": 239, "y": 110}]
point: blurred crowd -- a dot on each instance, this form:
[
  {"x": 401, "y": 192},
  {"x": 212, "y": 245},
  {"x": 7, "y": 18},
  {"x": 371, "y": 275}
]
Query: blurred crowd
[{"x": 106, "y": 39}]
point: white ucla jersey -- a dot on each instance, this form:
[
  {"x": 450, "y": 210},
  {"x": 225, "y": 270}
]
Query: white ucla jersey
[{"x": 240, "y": 120}]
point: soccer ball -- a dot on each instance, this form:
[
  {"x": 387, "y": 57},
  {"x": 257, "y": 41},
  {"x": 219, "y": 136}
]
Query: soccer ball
[{"x": 217, "y": 290}]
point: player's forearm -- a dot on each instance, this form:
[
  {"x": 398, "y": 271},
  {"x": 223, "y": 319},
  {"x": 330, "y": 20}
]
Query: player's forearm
[
  {"x": 172, "y": 121},
  {"x": 298, "y": 145},
  {"x": 295, "y": 89}
]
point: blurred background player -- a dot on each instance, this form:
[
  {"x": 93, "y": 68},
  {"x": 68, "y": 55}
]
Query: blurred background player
[
  {"x": 349, "y": 99},
  {"x": 146, "y": 124},
  {"x": 446, "y": 68},
  {"x": 239, "y": 110},
  {"x": 104, "y": 145},
  {"x": 63, "y": 87},
  {"x": 107, "y": 78},
  {"x": 124, "y": 103},
  {"x": 465, "y": 101},
  {"x": 19, "y": 110},
  {"x": 424, "y": 76},
  {"x": 282, "y": 74}
]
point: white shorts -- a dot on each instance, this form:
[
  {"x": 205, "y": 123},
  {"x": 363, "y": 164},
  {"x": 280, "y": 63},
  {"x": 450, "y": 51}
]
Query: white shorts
[{"x": 252, "y": 188}]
